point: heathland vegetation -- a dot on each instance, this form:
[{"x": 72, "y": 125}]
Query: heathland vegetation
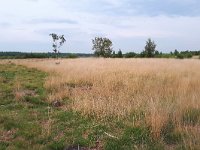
[
  {"x": 96, "y": 103},
  {"x": 105, "y": 103}
]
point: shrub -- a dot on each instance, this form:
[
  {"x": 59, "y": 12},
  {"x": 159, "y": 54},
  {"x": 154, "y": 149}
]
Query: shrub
[
  {"x": 130, "y": 55},
  {"x": 189, "y": 55},
  {"x": 180, "y": 56}
]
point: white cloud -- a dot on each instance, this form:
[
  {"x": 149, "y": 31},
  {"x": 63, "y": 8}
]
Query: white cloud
[{"x": 32, "y": 20}]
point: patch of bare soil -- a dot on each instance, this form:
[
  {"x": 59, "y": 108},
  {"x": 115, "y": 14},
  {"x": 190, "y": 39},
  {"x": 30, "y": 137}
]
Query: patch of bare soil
[{"x": 6, "y": 136}]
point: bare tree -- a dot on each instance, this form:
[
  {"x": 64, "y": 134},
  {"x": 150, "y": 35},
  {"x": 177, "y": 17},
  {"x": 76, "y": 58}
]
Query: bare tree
[{"x": 58, "y": 41}]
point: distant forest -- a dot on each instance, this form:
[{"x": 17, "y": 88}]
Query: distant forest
[{"x": 26, "y": 55}]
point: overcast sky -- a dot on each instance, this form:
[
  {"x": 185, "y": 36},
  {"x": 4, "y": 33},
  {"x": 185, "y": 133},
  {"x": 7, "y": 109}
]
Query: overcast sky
[{"x": 25, "y": 25}]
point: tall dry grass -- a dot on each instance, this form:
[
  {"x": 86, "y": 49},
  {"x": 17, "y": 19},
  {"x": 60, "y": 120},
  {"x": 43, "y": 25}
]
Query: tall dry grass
[{"x": 161, "y": 89}]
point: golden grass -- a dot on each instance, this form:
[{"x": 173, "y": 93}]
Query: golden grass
[
  {"x": 160, "y": 88},
  {"x": 18, "y": 92}
]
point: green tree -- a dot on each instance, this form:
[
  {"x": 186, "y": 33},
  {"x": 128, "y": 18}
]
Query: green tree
[
  {"x": 176, "y": 52},
  {"x": 113, "y": 54},
  {"x": 102, "y": 47},
  {"x": 119, "y": 54},
  {"x": 150, "y": 48},
  {"x": 157, "y": 53}
]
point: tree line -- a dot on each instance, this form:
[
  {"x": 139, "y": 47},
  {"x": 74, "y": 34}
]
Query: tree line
[
  {"x": 103, "y": 48},
  {"x": 25, "y": 55}
]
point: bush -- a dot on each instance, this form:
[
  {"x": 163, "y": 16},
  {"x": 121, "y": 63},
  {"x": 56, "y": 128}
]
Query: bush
[
  {"x": 189, "y": 55},
  {"x": 130, "y": 55},
  {"x": 180, "y": 56}
]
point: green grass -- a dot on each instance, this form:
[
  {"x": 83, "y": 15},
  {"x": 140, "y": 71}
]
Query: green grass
[
  {"x": 170, "y": 136},
  {"x": 191, "y": 116},
  {"x": 32, "y": 123}
]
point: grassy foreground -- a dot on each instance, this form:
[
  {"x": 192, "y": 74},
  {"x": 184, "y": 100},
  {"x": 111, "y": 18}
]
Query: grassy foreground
[{"x": 29, "y": 121}]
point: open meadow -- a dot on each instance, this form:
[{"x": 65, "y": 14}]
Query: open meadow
[{"x": 131, "y": 103}]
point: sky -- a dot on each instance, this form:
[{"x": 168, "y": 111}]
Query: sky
[{"x": 25, "y": 25}]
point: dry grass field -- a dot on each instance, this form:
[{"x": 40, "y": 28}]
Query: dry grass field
[{"x": 156, "y": 92}]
